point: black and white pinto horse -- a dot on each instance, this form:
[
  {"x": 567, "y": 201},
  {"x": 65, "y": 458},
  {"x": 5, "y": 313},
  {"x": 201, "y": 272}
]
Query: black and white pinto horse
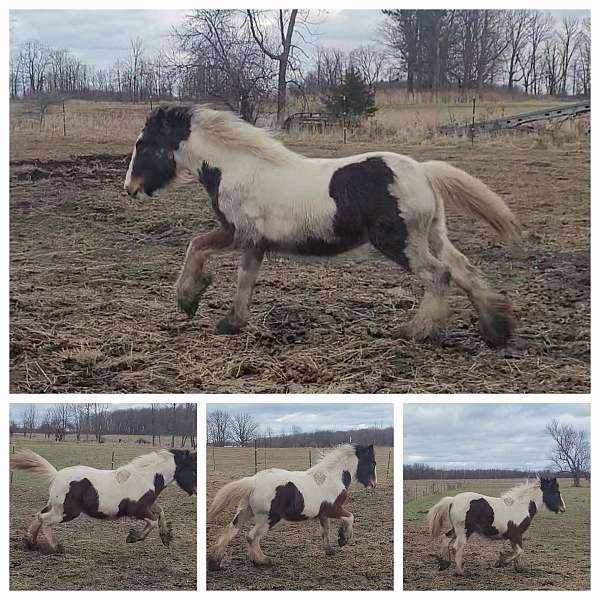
[
  {"x": 455, "y": 519},
  {"x": 270, "y": 199},
  {"x": 274, "y": 495},
  {"x": 129, "y": 491}
]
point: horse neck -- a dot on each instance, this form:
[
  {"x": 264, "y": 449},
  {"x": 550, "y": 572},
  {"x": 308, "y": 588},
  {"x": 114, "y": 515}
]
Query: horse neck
[
  {"x": 343, "y": 461},
  {"x": 164, "y": 466},
  {"x": 532, "y": 494}
]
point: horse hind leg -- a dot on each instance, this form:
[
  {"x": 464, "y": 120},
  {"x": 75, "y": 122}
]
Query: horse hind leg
[
  {"x": 496, "y": 318},
  {"x": 217, "y": 551},
  {"x": 412, "y": 251},
  {"x": 253, "y": 538},
  {"x": 42, "y": 522}
]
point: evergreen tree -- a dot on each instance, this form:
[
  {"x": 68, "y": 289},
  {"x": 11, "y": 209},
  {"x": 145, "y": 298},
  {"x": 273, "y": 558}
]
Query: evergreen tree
[{"x": 353, "y": 97}]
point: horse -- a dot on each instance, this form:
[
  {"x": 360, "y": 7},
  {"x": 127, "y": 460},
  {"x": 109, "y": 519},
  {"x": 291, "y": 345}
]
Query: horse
[
  {"x": 455, "y": 519},
  {"x": 269, "y": 199},
  {"x": 274, "y": 495},
  {"x": 129, "y": 491}
]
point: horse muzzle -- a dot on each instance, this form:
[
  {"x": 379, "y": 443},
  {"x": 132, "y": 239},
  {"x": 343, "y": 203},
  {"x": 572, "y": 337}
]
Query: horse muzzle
[{"x": 133, "y": 187}]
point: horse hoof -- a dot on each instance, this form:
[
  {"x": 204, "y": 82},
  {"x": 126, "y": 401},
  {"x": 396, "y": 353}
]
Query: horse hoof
[
  {"x": 330, "y": 550},
  {"x": 189, "y": 307},
  {"x": 266, "y": 562},
  {"x": 132, "y": 537},
  {"x": 30, "y": 545},
  {"x": 443, "y": 564},
  {"x": 226, "y": 327},
  {"x": 213, "y": 564}
]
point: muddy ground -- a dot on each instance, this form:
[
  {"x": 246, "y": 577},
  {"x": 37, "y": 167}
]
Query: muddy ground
[
  {"x": 366, "y": 563},
  {"x": 96, "y": 555},
  {"x": 557, "y": 554},
  {"x": 92, "y": 304}
]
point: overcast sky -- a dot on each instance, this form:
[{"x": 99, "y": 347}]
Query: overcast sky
[
  {"x": 314, "y": 417},
  {"x": 485, "y": 435},
  {"x": 101, "y": 37},
  {"x": 18, "y": 409}
]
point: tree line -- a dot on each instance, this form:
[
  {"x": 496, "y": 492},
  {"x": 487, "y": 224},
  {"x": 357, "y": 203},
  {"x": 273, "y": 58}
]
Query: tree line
[
  {"x": 241, "y": 429},
  {"x": 247, "y": 58},
  {"x": 95, "y": 420}
]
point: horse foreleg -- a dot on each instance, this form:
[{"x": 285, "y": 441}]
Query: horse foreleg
[
  {"x": 138, "y": 536},
  {"x": 459, "y": 550},
  {"x": 324, "y": 522},
  {"x": 164, "y": 527},
  {"x": 515, "y": 556},
  {"x": 217, "y": 551},
  {"x": 253, "y": 537},
  {"x": 237, "y": 316},
  {"x": 446, "y": 550},
  {"x": 346, "y": 530},
  {"x": 193, "y": 281}
]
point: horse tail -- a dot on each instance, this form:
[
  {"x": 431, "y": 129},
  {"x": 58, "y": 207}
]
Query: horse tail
[
  {"x": 468, "y": 194},
  {"x": 230, "y": 493},
  {"x": 438, "y": 517},
  {"x": 27, "y": 460}
]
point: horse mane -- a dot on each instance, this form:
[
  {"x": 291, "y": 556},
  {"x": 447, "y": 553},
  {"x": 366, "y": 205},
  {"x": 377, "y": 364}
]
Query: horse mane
[
  {"x": 148, "y": 460},
  {"x": 520, "y": 492},
  {"x": 331, "y": 456},
  {"x": 231, "y": 131}
]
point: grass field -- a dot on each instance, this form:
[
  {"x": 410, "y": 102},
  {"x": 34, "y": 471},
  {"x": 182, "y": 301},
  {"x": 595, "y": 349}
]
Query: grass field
[
  {"x": 96, "y": 555},
  {"x": 92, "y": 276},
  {"x": 557, "y": 547},
  {"x": 366, "y": 563}
]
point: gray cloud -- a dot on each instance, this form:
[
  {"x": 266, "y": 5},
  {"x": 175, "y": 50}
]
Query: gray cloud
[
  {"x": 100, "y": 37},
  {"x": 314, "y": 417},
  {"x": 485, "y": 435}
]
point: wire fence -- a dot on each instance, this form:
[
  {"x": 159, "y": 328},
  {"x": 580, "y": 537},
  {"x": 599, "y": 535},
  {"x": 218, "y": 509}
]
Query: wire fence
[{"x": 413, "y": 490}]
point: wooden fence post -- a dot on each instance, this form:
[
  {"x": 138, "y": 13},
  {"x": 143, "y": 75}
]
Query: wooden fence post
[
  {"x": 64, "y": 119},
  {"x": 473, "y": 122},
  {"x": 214, "y": 463},
  {"x": 112, "y": 460},
  {"x": 255, "y": 459},
  {"x": 309, "y": 458},
  {"x": 388, "y": 465}
]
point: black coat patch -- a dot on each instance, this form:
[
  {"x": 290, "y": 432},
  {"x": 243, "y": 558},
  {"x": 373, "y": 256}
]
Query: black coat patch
[
  {"x": 480, "y": 518},
  {"x": 365, "y": 471},
  {"x": 210, "y": 178},
  {"x": 366, "y": 211},
  {"x": 287, "y": 504},
  {"x": 154, "y": 162},
  {"x": 185, "y": 470},
  {"x": 346, "y": 479},
  {"x": 82, "y": 497}
]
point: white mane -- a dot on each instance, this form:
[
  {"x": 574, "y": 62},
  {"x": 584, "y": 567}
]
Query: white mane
[
  {"x": 330, "y": 458},
  {"x": 523, "y": 491},
  {"x": 231, "y": 131},
  {"x": 149, "y": 460}
]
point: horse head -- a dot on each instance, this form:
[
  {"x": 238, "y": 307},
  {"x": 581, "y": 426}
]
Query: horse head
[
  {"x": 185, "y": 470},
  {"x": 153, "y": 163},
  {"x": 365, "y": 471},
  {"x": 551, "y": 495}
]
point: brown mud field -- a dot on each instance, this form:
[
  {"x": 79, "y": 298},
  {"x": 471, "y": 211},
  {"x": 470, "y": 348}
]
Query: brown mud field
[
  {"x": 299, "y": 561},
  {"x": 92, "y": 302},
  {"x": 96, "y": 555}
]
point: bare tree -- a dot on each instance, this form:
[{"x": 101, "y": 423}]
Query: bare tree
[
  {"x": 370, "y": 62},
  {"x": 277, "y": 47},
  {"x": 243, "y": 428},
  {"x": 571, "y": 451},
  {"x": 30, "y": 420},
  {"x": 218, "y": 426}
]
